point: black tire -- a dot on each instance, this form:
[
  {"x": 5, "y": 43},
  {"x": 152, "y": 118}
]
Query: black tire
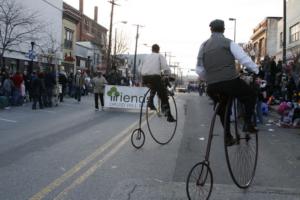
[
  {"x": 159, "y": 128},
  {"x": 241, "y": 157},
  {"x": 138, "y": 138},
  {"x": 199, "y": 182}
]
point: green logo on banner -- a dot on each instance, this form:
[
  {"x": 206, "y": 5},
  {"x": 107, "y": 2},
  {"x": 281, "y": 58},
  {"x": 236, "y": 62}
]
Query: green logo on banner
[{"x": 113, "y": 92}]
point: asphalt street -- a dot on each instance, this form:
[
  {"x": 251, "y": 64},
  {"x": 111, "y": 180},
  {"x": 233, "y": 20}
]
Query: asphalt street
[{"x": 73, "y": 152}]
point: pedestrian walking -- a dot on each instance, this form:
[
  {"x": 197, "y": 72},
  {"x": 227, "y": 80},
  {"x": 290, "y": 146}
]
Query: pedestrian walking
[
  {"x": 99, "y": 85},
  {"x": 62, "y": 79},
  {"x": 78, "y": 83}
]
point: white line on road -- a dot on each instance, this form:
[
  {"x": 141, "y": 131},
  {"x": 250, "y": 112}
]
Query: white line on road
[
  {"x": 8, "y": 120},
  {"x": 47, "y": 111}
]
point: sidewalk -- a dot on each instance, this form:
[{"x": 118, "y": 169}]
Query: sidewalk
[{"x": 134, "y": 189}]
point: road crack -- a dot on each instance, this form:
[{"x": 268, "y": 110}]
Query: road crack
[{"x": 132, "y": 191}]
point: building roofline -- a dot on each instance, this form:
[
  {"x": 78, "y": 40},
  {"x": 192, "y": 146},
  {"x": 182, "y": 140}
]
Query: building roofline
[
  {"x": 77, "y": 13},
  {"x": 71, "y": 12},
  {"x": 99, "y": 25},
  {"x": 263, "y": 21}
]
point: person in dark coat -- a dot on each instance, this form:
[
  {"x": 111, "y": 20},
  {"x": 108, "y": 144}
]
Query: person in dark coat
[
  {"x": 62, "y": 79},
  {"x": 27, "y": 83},
  {"x": 37, "y": 90},
  {"x": 49, "y": 84},
  {"x": 70, "y": 84}
]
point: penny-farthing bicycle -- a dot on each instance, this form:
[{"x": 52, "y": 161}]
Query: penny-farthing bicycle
[
  {"x": 159, "y": 128},
  {"x": 241, "y": 157}
]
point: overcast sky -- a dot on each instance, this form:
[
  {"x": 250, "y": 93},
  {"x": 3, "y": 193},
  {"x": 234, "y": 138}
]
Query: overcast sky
[{"x": 180, "y": 26}]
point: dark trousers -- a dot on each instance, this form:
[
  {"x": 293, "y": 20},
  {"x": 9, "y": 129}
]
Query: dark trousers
[
  {"x": 236, "y": 88},
  {"x": 71, "y": 92},
  {"x": 37, "y": 98},
  {"x": 154, "y": 82},
  {"x": 78, "y": 93},
  {"x": 100, "y": 95},
  {"x": 49, "y": 95}
]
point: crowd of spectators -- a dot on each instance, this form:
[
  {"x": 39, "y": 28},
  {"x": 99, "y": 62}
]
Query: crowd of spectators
[{"x": 47, "y": 88}]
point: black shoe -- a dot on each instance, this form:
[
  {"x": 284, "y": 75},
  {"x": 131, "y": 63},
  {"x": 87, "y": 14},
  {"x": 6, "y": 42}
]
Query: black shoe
[
  {"x": 229, "y": 140},
  {"x": 250, "y": 128},
  {"x": 171, "y": 119}
]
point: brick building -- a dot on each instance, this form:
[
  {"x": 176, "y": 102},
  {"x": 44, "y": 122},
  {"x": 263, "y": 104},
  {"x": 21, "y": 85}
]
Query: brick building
[
  {"x": 264, "y": 38},
  {"x": 89, "y": 30},
  {"x": 71, "y": 17}
]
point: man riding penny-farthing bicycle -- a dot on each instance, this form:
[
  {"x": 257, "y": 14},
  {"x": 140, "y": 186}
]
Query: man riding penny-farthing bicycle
[
  {"x": 151, "y": 69},
  {"x": 216, "y": 64}
]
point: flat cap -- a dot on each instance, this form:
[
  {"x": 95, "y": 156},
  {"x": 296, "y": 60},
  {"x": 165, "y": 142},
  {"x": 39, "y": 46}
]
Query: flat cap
[{"x": 217, "y": 24}]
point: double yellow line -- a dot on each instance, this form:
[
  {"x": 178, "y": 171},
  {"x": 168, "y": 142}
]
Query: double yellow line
[{"x": 120, "y": 139}]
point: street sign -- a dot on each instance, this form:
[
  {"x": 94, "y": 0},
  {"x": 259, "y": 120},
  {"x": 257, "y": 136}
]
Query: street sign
[{"x": 31, "y": 54}]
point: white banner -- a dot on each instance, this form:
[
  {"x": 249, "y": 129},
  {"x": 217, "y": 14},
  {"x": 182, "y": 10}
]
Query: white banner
[{"x": 124, "y": 96}]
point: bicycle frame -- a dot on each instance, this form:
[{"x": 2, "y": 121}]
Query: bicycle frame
[
  {"x": 141, "y": 111},
  {"x": 210, "y": 136}
]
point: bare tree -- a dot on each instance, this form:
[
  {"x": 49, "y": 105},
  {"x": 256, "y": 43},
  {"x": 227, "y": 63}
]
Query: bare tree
[
  {"x": 16, "y": 25},
  {"x": 121, "y": 44},
  {"x": 49, "y": 47}
]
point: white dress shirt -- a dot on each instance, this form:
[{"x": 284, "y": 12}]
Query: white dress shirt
[
  {"x": 238, "y": 54},
  {"x": 154, "y": 64}
]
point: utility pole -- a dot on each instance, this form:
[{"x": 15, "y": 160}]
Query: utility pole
[
  {"x": 135, "y": 51},
  {"x": 284, "y": 34},
  {"x": 110, "y": 35}
]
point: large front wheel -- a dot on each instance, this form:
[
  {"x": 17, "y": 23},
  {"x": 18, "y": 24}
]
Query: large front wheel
[
  {"x": 242, "y": 156},
  {"x": 159, "y": 128}
]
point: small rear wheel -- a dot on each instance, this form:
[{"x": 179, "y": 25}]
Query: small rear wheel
[
  {"x": 138, "y": 138},
  {"x": 199, "y": 182}
]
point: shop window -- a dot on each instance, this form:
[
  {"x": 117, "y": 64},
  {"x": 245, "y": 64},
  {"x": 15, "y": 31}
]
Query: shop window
[
  {"x": 294, "y": 32},
  {"x": 69, "y": 35}
]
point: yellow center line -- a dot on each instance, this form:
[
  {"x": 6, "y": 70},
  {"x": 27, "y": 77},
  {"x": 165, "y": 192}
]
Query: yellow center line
[
  {"x": 90, "y": 171},
  {"x": 93, "y": 168},
  {"x": 57, "y": 182}
]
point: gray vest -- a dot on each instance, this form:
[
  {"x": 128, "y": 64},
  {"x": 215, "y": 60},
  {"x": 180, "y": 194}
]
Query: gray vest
[{"x": 218, "y": 61}]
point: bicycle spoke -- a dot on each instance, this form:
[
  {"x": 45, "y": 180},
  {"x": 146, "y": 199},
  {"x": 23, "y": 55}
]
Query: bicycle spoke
[
  {"x": 161, "y": 130},
  {"x": 242, "y": 157}
]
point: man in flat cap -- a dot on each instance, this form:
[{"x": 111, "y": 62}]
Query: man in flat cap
[{"x": 216, "y": 65}]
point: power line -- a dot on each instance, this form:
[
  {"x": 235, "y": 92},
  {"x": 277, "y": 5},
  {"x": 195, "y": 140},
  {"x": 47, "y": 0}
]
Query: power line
[{"x": 47, "y": 2}]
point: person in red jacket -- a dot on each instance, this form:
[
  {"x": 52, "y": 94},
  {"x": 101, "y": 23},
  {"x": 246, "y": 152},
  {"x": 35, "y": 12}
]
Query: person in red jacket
[{"x": 17, "y": 80}]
